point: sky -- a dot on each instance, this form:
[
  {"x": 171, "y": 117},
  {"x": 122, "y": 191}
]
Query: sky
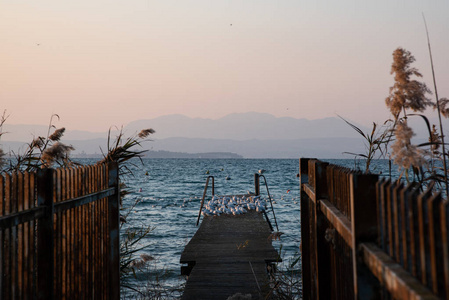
[{"x": 101, "y": 63}]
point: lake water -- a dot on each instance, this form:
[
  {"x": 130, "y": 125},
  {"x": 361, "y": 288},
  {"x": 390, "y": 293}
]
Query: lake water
[{"x": 169, "y": 192}]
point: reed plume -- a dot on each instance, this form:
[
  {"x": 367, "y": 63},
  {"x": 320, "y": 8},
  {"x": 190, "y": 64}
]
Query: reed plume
[
  {"x": 443, "y": 107},
  {"x": 58, "y": 151},
  {"x": 406, "y": 93},
  {"x": 145, "y": 133},
  {"x": 405, "y": 154},
  {"x": 37, "y": 143},
  {"x": 56, "y": 136}
]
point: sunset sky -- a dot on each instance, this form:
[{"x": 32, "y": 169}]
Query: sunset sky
[{"x": 99, "y": 63}]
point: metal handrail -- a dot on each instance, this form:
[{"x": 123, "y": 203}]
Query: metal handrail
[
  {"x": 271, "y": 203},
  {"x": 204, "y": 195}
]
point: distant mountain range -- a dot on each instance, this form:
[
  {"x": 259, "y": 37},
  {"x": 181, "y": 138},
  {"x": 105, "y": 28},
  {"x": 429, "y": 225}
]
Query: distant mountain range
[
  {"x": 238, "y": 126},
  {"x": 244, "y": 126},
  {"x": 250, "y": 135}
]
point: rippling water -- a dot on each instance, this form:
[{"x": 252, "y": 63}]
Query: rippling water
[{"x": 170, "y": 193}]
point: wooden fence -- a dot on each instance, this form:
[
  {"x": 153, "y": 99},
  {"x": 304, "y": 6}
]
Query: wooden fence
[
  {"x": 59, "y": 233},
  {"x": 365, "y": 238}
]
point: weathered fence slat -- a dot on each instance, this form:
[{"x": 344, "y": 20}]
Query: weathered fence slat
[
  {"x": 45, "y": 238},
  {"x": 114, "y": 217},
  {"x": 444, "y": 217},
  {"x": 305, "y": 230},
  {"x": 435, "y": 237},
  {"x": 424, "y": 243}
]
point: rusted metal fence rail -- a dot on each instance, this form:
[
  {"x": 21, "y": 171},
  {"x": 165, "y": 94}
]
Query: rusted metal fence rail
[
  {"x": 365, "y": 238},
  {"x": 59, "y": 232}
]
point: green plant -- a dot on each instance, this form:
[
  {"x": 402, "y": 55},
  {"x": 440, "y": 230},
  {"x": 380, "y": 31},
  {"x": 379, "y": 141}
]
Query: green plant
[
  {"x": 285, "y": 279},
  {"x": 376, "y": 142},
  {"x": 43, "y": 152},
  {"x": 121, "y": 148},
  {"x": 131, "y": 243},
  {"x": 3, "y": 119}
]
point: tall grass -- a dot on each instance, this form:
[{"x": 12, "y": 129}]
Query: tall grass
[{"x": 408, "y": 97}]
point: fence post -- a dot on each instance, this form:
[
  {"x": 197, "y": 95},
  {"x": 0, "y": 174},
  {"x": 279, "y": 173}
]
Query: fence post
[
  {"x": 45, "y": 235},
  {"x": 364, "y": 229},
  {"x": 114, "y": 232},
  {"x": 305, "y": 229},
  {"x": 256, "y": 184},
  {"x": 322, "y": 254}
]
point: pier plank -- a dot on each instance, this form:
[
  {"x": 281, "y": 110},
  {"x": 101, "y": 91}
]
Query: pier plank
[{"x": 230, "y": 255}]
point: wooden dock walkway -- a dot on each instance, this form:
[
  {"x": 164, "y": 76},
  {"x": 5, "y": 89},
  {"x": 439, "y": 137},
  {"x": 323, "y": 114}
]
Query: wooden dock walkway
[{"x": 229, "y": 254}]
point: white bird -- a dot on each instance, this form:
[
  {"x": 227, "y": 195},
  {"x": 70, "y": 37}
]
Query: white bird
[{"x": 260, "y": 208}]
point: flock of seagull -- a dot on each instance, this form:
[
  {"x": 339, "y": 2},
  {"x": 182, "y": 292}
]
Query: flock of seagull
[{"x": 235, "y": 205}]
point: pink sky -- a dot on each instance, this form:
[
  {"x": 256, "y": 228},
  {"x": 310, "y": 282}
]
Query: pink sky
[{"x": 102, "y": 63}]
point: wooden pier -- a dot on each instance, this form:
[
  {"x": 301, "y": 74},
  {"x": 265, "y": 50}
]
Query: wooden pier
[{"x": 228, "y": 255}]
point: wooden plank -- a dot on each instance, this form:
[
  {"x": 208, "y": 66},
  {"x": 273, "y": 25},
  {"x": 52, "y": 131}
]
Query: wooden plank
[
  {"x": 221, "y": 260},
  {"x": 10, "y": 238},
  {"x": 104, "y": 235},
  {"x": 57, "y": 222},
  {"x": 322, "y": 255},
  {"x": 424, "y": 243},
  {"x": 389, "y": 220},
  {"x": 85, "y": 229},
  {"x": 397, "y": 223},
  {"x": 309, "y": 191},
  {"x": 414, "y": 233},
  {"x": 58, "y": 257},
  {"x": 380, "y": 212},
  {"x": 6, "y": 242},
  {"x": 436, "y": 251},
  {"x": 20, "y": 247},
  {"x": 305, "y": 229},
  {"x": 14, "y": 238},
  {"x": 363, "y": 228},
  {"x": 64, "y": 253},
  {"x": 338, "y": 220},
  {"x": 71, "y": 234},
  {"x": 45, "y": 238},
  {"x": 405, "y": 226},
  {"x": 444, "y": 217},
  {"x": 77, "y": 238},
  {"x": 384, "y": 187},
  {"x": 26, "y": 240},
  {"x": 399, "y": 283},
  {"x": 114, "y": 248},
  {"x": 32, "y": 236},
  {"x": 90, "y": 233}
]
